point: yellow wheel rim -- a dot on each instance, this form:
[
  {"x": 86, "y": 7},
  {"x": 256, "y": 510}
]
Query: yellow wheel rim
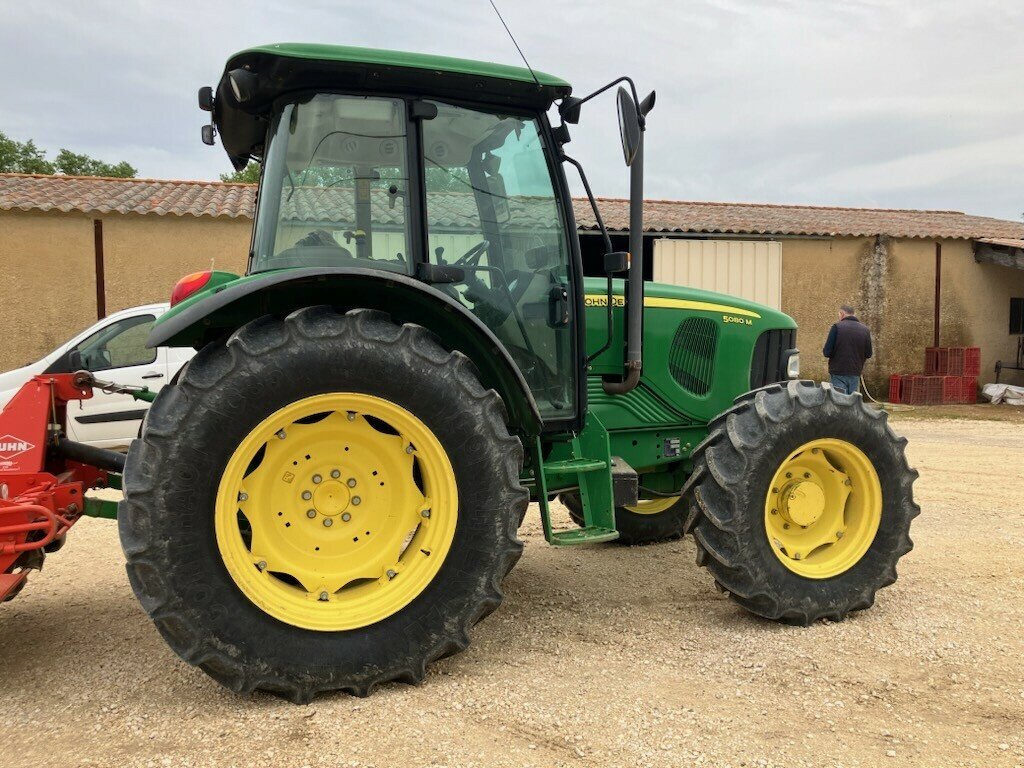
[
  {"x": 336, "y": 511},
  {"x": 823, "y": 508},
  {"x": 652, "y": 506}
]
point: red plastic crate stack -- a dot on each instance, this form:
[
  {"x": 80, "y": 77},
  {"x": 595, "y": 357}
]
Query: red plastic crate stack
[
  {"x": 952, "y": 361},
  {"x": 950, "y": 376},
  {"x": 915, "y": 389}
]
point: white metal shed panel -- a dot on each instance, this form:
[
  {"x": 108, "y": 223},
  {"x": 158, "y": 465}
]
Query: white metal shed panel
[{"x": 750, "y": 269}]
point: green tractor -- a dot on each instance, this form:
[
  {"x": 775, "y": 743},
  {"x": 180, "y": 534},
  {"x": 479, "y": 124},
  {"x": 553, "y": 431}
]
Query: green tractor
[{"x": 328, "y": 496}]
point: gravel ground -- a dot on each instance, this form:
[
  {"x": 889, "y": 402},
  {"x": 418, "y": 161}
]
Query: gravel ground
[{"x": 599, "y": 656}]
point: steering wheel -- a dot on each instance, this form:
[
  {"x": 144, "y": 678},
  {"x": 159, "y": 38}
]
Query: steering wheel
[{"x": 472, "y": 256}]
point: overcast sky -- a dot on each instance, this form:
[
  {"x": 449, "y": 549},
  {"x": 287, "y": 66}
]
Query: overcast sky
[{"x": 891, "y": 103}]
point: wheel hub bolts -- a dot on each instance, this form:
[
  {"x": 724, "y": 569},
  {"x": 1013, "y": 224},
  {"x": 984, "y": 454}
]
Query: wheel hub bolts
[
  {"x": 328, "y": 522},
  {"x": 317, "y": 479},
  {"x": 335, "y": 473},
  {"x": 391, "y": 574},
  {"x": 351, "y": 482},
  {"x": 323, "y": 597},
  {"x": 346, "y": 517},
  {"x": 307, "y": 495},
  {"x": 261, "y": 565},
  {"x": 356, "y": 501},
  {"x": 310, "y": 513}
]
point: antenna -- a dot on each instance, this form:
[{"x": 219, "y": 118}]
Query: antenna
[{"x": 521, "y": 54}]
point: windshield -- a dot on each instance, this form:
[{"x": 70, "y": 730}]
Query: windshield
[{"x": 334, "y": 191}]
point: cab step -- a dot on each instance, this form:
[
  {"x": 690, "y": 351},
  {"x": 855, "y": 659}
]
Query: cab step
[{"x": 589, "y": 535}]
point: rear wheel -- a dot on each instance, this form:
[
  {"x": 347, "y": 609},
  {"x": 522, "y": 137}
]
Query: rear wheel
[
  {"x": 325, "y": 502},
  {"x": 650, "y": 520},
  {"x": 800, "y": 502}
]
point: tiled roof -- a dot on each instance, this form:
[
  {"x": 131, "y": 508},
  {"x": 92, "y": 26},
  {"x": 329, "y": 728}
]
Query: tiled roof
[
  {"x": 763, "y": 219},
  {"x": 90, "y": 194},
  {"x": 205, "y": 198}
]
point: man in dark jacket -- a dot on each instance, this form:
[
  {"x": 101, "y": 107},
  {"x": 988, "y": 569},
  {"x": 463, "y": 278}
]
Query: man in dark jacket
[{"x": 847, "y": 348}]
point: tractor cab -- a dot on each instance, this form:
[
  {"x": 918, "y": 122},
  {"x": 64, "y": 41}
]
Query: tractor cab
[
  {"x": 443, "y": 171},
  {"x": 460, "y": 197}
]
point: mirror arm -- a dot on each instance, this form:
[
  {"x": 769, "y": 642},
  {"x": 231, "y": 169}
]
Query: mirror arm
[{"x": 603, "y": 88}]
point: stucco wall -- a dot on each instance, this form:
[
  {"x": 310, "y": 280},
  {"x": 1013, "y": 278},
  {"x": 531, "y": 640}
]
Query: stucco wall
[
  {"x": 146, "y": 255},
  {"x": 48, "y": 289},
  {"x": 47, "y": 268},
  {"x": 976, "y": 308},
  {"x": 891, "y": 282},
  {"x": 817, "y": 276}
]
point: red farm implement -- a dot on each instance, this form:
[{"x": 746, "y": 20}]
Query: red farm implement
[{"x": 44, "y": 477}]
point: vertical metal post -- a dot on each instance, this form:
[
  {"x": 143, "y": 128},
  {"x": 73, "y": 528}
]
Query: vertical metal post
[
  {"x": 938, "y": 293},
  {"x": 101, "y": 281}
]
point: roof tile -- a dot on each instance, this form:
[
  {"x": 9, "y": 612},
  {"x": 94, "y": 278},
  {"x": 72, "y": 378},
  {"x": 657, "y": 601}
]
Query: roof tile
[{"x": 207, "y": 198}]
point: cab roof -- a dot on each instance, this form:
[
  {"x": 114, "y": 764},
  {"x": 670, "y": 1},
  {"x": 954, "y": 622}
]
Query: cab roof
[
  {"x": 385, "y": 58},
  {"x": 288, "y": 67}
]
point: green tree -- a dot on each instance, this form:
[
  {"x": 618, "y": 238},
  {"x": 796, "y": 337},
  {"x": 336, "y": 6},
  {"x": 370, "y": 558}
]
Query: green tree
[
  {"x": 25, "y": 157},
  {"x": 22, "y": 157},
  {"x": 73, "y": 164},
  {"x": 248, "y": 175}
]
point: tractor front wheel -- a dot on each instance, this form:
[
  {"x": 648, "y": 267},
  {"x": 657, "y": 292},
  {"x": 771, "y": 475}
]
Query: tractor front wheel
[
  {"x": 323, "y": 502},
  {"x": 800, "y": 502}
]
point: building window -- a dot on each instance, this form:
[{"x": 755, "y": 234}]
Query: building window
[{"x": 1017, "y": 316}]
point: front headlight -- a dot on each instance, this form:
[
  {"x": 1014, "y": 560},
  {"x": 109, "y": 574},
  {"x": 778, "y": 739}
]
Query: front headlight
[{"x": 793, "y": 365}]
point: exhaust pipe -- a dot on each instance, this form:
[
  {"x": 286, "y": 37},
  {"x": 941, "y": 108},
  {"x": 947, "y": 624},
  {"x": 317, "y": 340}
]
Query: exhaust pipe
[{"x": 634, "y": 308}]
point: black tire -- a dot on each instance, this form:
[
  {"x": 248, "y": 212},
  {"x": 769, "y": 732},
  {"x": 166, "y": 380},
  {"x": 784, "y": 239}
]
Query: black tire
[
  {"x": 166, "y": 521},
  {"x": 632, "y": 527},
  {"x": 733, "y": 468}
]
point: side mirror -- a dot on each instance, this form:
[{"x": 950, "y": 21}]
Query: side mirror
[
  {"x": 208, "y": 134},
  {"x": 206, "y": 98},
  {"x": 629, "y": 125},
  {"x": 616, "y": 262},
  {"x": 75, "y": 361}
]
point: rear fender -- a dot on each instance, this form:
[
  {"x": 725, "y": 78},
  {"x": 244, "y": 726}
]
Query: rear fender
[{"x": 225, "y": 308}]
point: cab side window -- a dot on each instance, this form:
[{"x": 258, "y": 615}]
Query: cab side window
[{"x": 492, "y": 211}]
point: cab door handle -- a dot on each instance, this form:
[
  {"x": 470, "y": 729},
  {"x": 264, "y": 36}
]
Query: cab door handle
[{"x": 152, "y": 376}]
